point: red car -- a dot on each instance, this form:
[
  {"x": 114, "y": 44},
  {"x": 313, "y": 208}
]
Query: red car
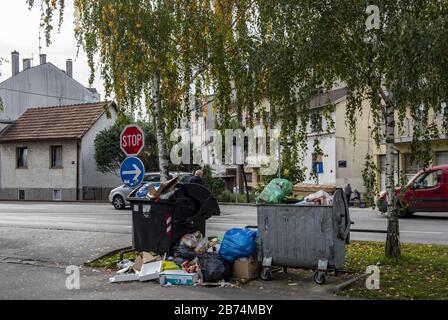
[{"x": 426, "y": 192}]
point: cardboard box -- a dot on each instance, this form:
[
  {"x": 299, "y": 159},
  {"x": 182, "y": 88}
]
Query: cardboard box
[
  {"x": 246, "y": 268},
  {"x": 178, "y": 277}
]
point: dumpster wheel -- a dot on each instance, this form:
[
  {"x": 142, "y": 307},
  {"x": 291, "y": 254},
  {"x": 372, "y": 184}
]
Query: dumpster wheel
[
  {"x": 266, "y": 274},
  {"x": 320, "y": 277}
]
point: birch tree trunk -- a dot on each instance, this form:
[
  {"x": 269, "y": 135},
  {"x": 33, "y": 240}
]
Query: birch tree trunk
[
  {"x": 393, "y": 233},
  {"x": 160, "y": 132}
]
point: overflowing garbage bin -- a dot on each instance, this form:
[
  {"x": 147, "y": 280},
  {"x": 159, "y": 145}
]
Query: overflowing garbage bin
[
  {"x": 303, "y": 236},
  {"x": 160, "y": 222}
]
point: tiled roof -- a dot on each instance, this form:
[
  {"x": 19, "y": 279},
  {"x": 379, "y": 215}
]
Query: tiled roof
[
  {"x": 46, "y": 123},
  {"x": 326, "y": 98}
]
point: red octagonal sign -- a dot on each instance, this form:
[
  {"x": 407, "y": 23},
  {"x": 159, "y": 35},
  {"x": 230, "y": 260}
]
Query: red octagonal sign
[{"x": 132, "y": 140}]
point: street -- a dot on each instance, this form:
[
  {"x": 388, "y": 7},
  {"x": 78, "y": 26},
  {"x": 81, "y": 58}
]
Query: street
[
  {"x": 38, "y": 241},
  {"x": 101, "y": 217}
]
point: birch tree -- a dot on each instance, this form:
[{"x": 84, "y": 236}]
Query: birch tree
[
  {"x": 163, "y": 54},
  {"x": 394, "y": 54}
]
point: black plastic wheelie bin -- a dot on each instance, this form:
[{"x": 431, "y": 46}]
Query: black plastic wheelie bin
[{"x": 159, "y": 223}]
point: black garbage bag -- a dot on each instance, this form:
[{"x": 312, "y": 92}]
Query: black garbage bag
[
  {"x": 179, "y": 260},
  {"x": 213, "y": 267},
  {"x": 184, "y": 252}
]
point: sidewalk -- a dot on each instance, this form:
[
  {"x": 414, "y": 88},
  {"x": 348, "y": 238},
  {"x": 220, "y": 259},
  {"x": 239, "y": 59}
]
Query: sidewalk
[{"x": 48, "y": 252}]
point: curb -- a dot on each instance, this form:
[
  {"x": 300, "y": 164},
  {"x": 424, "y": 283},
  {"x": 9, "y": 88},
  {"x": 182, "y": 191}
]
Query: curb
[
  {"x": 342, "y": 286},
  {"x": 108, "y": 254},
  {"x": 237, "y": 204}
]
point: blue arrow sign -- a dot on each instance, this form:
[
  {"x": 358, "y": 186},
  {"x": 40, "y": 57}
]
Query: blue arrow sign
[{"x": 132, "y": 171}]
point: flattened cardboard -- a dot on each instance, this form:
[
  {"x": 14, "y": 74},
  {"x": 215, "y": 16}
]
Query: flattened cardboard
[
  {"x": 138, "y": 263},
  {"x": 165, "y": 187},
  {"x": 149, "y": 257}
]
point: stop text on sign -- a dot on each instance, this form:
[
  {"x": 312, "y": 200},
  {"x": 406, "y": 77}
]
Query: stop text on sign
[{"x": 132, "y": 140}]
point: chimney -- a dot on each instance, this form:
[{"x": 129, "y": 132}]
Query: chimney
[
  {"x": 43, "y": 58},
  {"x": 26, "y": 63},
  {"x": 69, "y": 68},
  {"x": 15, "y": 62}
]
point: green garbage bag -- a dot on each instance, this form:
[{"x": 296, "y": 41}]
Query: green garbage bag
[{"x": 275, "y": 192}]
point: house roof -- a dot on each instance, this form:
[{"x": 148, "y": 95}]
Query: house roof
[
  {"x": 47, "y": 123},
  {"x": 49, "y": 66},
  {"x": 326, "y": 98}
]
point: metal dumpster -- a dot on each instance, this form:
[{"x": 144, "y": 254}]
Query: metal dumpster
[
  {"x": 158, "y": 224},
  {"x": 299, "y": 236}
]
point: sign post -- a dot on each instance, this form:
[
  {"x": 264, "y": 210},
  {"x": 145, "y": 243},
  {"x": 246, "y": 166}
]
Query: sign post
[{"x": 132, "y": 170}]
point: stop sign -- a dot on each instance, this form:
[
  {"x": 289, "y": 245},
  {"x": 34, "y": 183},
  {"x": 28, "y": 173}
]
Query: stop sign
[{"x": 132, "y": 140}]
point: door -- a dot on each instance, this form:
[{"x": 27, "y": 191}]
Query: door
[{"x": 428, "y": 194}]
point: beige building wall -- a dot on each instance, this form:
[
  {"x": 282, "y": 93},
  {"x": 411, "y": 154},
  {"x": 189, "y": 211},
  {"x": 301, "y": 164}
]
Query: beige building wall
[
  {"x": 403, "y": 139},
  {"x": 38, "y": 179},
  {"x": 353, "y": 153}
]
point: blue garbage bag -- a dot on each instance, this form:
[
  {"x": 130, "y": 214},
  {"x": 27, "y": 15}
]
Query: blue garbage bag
[{"x": 238, "y": 243}]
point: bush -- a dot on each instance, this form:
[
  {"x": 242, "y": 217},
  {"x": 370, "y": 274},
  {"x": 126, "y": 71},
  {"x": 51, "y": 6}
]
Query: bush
[
  {"x": 215, "y": 185},
  {"x": 227, "y": 196}
]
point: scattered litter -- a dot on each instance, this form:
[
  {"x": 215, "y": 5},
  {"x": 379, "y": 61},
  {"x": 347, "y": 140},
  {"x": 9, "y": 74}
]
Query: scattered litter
[
  {"x": 150, "y": 271},
  {"x": 318, "y": 198},
  {"x": 124, "y": 277},
  {"x": 275, "y": 192},
  {"x": 169, "y": 265},
  {"x": 190, "y": 266},
  {"x": 124, "y": 270},
  {"x": 293, "y": 284},
  {"x": 213, "y": 267},
  {"x": 191, "y": 240},
  {"x": 221, "y": 284},
  {"x": 238, "y": 243},
  {"x": 125, "y": 263}
]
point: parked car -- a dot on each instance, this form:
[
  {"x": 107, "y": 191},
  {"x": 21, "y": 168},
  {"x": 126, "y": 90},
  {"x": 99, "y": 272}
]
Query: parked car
[
  {"x": 118, "y": 196},
  {"x": 426, "y": 192}
]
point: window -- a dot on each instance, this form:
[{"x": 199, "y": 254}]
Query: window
[
  {"x": 57, "y": 195},
  {"x": 22, "y": 157},
  {"x": 56, "y": 157},
  {"x": 21, "y": 195},
  {"x": 429, "y": 180},
  {"x": 316, "y": 122},
  {"x": 318, "y": 166},
  {"x": 342, "y": 164}
]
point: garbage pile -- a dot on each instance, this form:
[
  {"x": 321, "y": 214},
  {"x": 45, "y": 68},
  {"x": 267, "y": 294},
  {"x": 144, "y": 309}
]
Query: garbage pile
[
  {"x": 280, "y": 191},
  {"x": 152, "y": 190},
  {"x": 197, "y": 260}
]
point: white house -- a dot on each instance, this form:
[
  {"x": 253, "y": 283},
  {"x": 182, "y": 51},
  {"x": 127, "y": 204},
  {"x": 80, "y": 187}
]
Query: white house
[{"x": 48, "y": 154}]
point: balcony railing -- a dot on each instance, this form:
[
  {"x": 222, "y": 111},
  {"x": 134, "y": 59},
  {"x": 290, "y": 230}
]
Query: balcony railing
[{"x": 406, "y": 132}]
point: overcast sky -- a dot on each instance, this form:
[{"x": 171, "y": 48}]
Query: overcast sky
[{"x": 19, "y": 30}]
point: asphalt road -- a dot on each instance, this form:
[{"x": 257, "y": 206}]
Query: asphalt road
[{"x": 100, "y": 217}]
